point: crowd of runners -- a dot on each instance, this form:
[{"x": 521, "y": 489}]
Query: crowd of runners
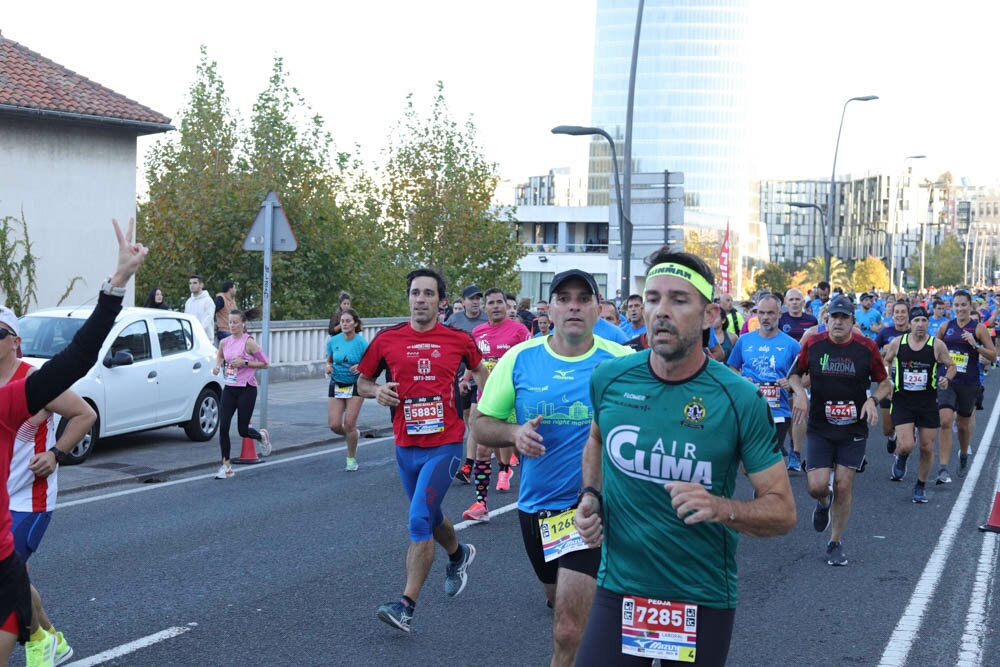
[
  {"x": 622, "y": 420},
  {"x": 610, "y": 433}
]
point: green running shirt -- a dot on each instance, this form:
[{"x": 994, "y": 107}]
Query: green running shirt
[{"x": 655, "y": 431}]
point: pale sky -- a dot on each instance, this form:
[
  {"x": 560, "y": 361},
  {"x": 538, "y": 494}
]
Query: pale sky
[{"x": 523, "y": 66}]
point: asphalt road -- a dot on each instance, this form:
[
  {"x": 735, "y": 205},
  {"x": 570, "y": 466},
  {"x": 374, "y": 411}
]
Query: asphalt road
[{"x": 286, "y": 563}]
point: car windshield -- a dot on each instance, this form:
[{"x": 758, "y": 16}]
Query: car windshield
[{"x": 45, "y": 337}]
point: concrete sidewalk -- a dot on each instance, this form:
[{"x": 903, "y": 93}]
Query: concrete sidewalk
[{"x": 296, "y": 420}]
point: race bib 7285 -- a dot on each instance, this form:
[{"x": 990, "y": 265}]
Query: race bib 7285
[{"x": 659, "y": 628}]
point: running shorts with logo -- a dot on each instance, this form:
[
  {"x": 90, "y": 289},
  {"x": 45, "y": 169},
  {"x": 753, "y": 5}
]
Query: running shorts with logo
[
  {"x": 532, "y": 380},
  {"x": 602, "y": 638},
  {"x": 426, "y": 474}
]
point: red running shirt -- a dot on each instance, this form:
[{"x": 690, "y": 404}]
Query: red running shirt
[
  {"x": 13, "y": 412},
  {"x": 424, "y": 364}
]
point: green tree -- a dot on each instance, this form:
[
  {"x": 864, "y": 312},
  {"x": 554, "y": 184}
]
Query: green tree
[
  {"x": 870, "y": 271},
  {"x": 438, "y": 188},
  {"x": 206, "y": 185},
  {"x": 704, "y": 244},
  {"x": 815, "y": 269},
  {"x": 289, "y": 151},
  {"x": 773, "y": 278},
  {"x": 198, "y": 206},
  {"x": 945, "y": 263}
]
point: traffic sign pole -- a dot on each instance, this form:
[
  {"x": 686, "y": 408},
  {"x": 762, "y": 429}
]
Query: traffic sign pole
[
  {"x": 265, "y": 332},
  {"x": 270, "y": 231}
]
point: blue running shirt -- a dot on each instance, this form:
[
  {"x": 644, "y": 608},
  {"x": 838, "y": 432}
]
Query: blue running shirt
[
  {"x": 532, "y": 380},
  {"x": 764, "y": 361}
]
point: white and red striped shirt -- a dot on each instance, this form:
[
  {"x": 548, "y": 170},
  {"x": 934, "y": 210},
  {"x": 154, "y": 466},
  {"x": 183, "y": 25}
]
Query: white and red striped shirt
[{"x": 29, "y": 493}]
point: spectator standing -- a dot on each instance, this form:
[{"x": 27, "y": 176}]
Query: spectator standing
[
  {"x": 156, "y": 300},
  {"x": 201, "y": 305},
  {"x": 225, "y": 303},
  {"x": 343, "y": 303}
]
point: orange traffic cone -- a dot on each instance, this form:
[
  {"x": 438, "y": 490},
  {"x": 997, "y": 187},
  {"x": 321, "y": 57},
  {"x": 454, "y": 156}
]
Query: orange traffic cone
[
  {"x": 248, "y": 454},
  {"x": 993, "y": 523}
]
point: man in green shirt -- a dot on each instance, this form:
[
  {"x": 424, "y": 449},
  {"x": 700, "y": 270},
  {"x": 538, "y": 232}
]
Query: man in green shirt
[{"x": 671, "y": 428}]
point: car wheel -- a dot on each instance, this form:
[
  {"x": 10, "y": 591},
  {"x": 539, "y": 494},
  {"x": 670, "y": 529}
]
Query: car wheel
[
  {"x": 205, "y": 416},
  {"x": 82, "y": 449}
]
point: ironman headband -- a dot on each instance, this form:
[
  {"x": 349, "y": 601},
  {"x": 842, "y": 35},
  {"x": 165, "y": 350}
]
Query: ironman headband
[{"x": 679, "y": 271}]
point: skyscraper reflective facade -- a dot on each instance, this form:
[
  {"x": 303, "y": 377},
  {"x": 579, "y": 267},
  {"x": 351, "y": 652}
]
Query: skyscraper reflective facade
[{"x": 691, "y": 95}]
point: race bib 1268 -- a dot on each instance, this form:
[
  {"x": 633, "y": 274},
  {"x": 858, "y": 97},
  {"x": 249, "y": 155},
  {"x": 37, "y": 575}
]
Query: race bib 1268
[{"x": 559, "y": 535}]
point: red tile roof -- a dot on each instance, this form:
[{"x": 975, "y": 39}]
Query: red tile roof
[{"x": 30, "y": 83}]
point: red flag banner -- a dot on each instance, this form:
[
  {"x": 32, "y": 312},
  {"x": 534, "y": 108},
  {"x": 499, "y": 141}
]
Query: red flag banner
[{"x": 724, "y": 263}]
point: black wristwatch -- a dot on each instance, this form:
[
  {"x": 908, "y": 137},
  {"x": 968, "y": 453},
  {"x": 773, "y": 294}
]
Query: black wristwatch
[
  {"x": 591, "y": 490},
  {"x": 61, "y": 456}
]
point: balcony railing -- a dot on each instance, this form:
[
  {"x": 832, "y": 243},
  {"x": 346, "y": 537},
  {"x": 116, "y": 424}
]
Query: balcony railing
[{"x": 298, "y": 347}]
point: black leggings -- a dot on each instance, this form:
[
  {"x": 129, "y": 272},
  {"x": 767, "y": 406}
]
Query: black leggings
[{"x": 237, "y": 400}]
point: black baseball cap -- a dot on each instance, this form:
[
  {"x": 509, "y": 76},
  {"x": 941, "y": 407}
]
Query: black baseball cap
[
  {"x": 561, "y": 278},
  {"x": 840, "y": 305},
  {"x": 471, "y": 292}
]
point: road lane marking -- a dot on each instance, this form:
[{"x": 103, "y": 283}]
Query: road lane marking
[
  {"x": 905, "y": 633},
  {"x": 131, "y": 647},
  {"x": 497, "y": 512},
  {"x": 971, "y": 650},
  {"x": 271, "y": 462}
]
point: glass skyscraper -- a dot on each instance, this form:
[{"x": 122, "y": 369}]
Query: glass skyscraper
[{"x": 691, "y": 93}]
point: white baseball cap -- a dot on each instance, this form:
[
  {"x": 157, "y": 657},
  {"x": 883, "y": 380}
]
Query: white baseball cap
[{"x": 9, "y": 320}]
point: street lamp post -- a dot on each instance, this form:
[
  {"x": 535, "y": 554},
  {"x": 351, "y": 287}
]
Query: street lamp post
[
  {"x": 831, "y": 198},
  {"x": 624, "y": 224}
]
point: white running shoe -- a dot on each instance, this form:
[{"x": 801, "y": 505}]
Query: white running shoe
[
  {"x": 225, "y": 472},
  {"x": 264, "y": 444}
]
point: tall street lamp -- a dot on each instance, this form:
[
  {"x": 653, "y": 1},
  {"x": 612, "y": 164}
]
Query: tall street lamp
[
  {"x": 826, "y": 233},
  {"x": 831, "y": 200},
  {"x": 624, "y": 224}
]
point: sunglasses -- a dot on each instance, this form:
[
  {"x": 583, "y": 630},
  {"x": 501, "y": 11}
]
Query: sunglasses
[{"x": 6, "y": 332}]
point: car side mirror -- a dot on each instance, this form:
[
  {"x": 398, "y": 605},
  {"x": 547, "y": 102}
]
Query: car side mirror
[{"x": 119, "y": 358}]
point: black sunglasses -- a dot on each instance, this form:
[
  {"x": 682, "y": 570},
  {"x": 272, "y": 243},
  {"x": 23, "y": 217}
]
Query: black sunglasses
[{"x": 6, "y": 332}]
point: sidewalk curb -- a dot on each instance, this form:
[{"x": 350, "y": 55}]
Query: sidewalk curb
[{"x": 159, "y": 476}]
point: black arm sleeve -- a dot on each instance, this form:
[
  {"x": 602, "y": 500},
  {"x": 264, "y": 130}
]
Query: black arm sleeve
[{"x": 57, "y": 375}]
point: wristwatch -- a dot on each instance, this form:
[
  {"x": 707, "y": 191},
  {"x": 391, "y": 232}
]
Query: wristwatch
[
  {"x": 111, "y": 290},
  {"x": 61, "y": 456},
  {"x": 592, "y": 491}
]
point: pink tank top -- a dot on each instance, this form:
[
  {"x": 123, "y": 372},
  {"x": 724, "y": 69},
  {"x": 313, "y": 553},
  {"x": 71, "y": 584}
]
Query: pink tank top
[{"x": 236, "y": 348}]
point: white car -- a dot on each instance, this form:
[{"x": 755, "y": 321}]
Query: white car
[{"x": 154, "y": 369}]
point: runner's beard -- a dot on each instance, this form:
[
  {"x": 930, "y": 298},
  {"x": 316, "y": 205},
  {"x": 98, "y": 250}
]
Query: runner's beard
[{"x": 683, "y": 346}]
